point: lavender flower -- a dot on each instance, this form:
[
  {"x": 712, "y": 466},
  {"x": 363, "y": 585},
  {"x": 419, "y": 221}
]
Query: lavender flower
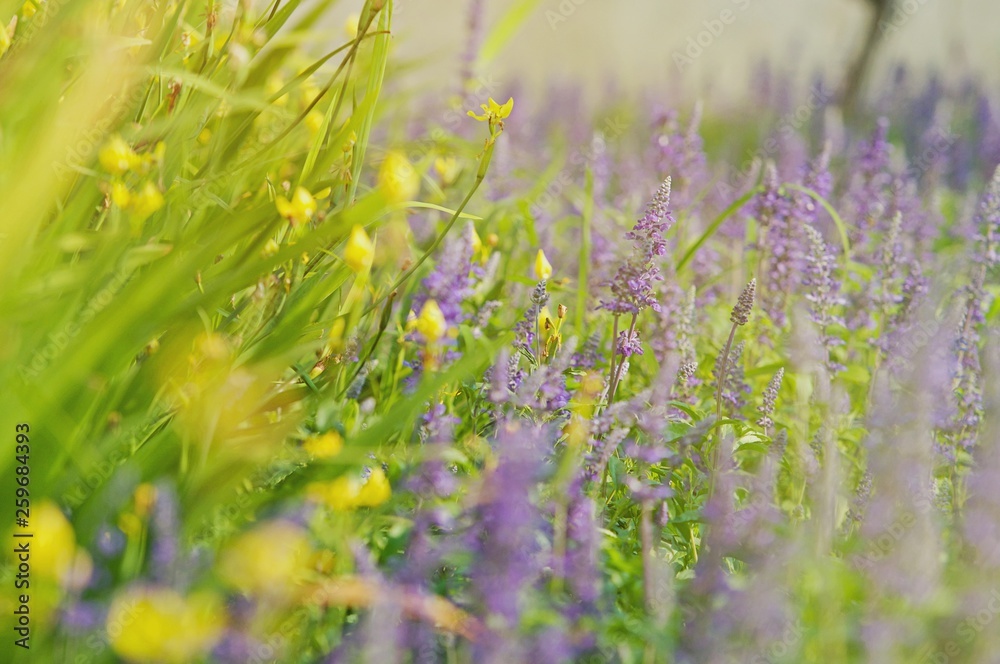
[
  {"x": 453, "y": 280},
  {"x": 824, "y": 293},
  {"x": 770, "y": 396},
  {"x": 629, "y": 344},
  {"x": 632, "y": 286},
  {"x": 744, "y": 305},
  {"x": 732, "y": 382},
  {"x": 867, "y": 191}
]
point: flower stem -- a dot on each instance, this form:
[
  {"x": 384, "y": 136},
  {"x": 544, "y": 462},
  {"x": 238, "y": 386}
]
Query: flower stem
[
  {"x": 617, "y": 375},
  {"x": 723, "y": 371}
]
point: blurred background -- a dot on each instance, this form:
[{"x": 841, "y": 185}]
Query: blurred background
[{"x": 686, "y": 44}]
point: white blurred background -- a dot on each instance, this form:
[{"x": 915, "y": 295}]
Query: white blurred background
[{"x": 634, "y": 42}]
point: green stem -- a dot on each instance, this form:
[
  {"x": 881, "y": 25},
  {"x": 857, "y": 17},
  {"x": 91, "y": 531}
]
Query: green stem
[
  {"x": 613, "y": 389},
  {"x": 723, "y": 370},
  {"x": 480, "y": 176}
]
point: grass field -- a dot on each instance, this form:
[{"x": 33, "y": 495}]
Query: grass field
[{"x": 298, "y": 366}]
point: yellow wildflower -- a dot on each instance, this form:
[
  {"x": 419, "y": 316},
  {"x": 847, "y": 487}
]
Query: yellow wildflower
[
  {"x": 494, "y": 114},
  {"x": 360, "y": 251},
  {"x": 340, "y": 494},
  {"x": 397, "y": 179},
  {"x": 268, "y": 559},
  {"x": 348, "y": 492},
  {"x": 271, "y": 248},
  {"x": 376, "y": 490},
  {"x": 28, "y": 9},
  {"x": 325, "y": 446},
  {"x": 146, "y": 201},
  {"x": 431, "y": 323},
  {"x": 447, "y": 169},
  {"x": 300, "y": 209},
  {"x": 313, "y": 121},
  {"x": 156, "y": 624},
  {"x": 7, "y": 34},
  {"x": 351, "y": 25},
  {"x": 120, "y": 195},
  {"x": 543, "y": 269},
  {"x": 117, "y": 156},
  {"x": 275, "y": 83},
  {"x": 145, "y": 498},
  {"x": 54, "y": 544}
]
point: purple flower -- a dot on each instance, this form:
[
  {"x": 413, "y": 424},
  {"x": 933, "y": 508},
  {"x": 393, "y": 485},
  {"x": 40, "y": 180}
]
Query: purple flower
[
  {"x": 629, "y": 343},
  {"x": 452, "y": 281},
  {"x": 824, "y": 292},
  {"x": 632, "y": 288},
  {"x": 734, "y": 385},
  {"x": 770, "y": 397}
]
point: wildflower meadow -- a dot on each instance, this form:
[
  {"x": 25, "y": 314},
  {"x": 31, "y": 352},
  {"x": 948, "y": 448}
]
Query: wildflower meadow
[{"x": 299, "y": 364}]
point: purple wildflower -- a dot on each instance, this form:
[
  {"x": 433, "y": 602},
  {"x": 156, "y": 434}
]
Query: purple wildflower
[
  {"x": 629, "y": 343},
  {"x": 452, "y": 281},
  {"x": 824, "y": 293},
  {"x": 632, "y": 287},
  {"x": 733, "y": 385},
  {"x": 770, "y": 397}
]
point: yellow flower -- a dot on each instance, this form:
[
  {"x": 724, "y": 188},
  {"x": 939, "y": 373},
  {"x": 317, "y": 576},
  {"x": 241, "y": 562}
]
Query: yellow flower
[
  {"x": 447, "y": 169},
  {"x": 275, "y": 83},
  {"x": 340, "y": 494},
  {"x": 147, "y": 201},
  {"x": 360, "y": 251},
  {"x": 7, "y": 34},
  {"x": 117, "y": 157},
  {"x": 348, "y": 492},
  {"x": 154, "y": 624},
  {"x": 267, "y": 560},
  {"x": 145, "y": 499},
  {"x": 477, "y": 242},
  {"x": 324, "y": 447},
  {"x": 376, "y": 490},
  {"x": 28, "y": 9},
  {"x": 54, "y": 544},
  {"x": 120, "y": 195},
  {"x": 493, "y": 112},
  {"x": 543, "y": 269},
  {"x": 397, "y": 178},
  {"x": 431, "y": 323},
  {"x": 313, "y": 121},
  {"x": 300, "y": 209},
  {"x": 351, "y": 26},
  {"x": 271, "y": 248}
]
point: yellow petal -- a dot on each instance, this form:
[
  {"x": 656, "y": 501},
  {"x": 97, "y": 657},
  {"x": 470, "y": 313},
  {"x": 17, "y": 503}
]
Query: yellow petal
[
  {"x": 397, "y": 178},
  {"x": 543, "y": 269},
  {"x": 360, "y": 251},
  {"x": 431, "y": 323}
]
